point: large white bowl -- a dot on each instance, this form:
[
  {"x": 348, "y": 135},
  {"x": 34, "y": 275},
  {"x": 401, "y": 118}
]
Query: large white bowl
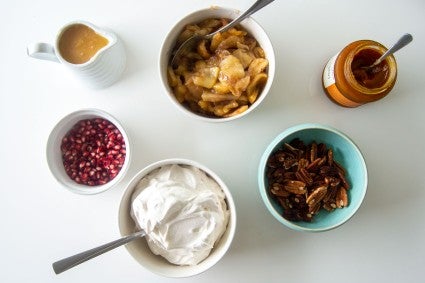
[
  {"x": 139, "y": 248},
  {"x": 54, "y": 155},
  {"x": 216, "y": 12}
]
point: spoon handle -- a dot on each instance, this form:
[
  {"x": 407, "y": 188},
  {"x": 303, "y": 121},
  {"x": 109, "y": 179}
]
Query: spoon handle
[
  {"x": 403, "y": 41},
  {"x": 72, "y": 261},
  {"x": 254, "y": 8}
]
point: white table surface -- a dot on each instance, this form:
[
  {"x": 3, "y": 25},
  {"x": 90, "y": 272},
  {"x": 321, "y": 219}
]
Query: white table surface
[{"x": 42, "y": 222}]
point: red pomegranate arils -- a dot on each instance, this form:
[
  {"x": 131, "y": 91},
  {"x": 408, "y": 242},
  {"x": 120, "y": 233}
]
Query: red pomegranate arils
[{"x": 93, "y": 152}]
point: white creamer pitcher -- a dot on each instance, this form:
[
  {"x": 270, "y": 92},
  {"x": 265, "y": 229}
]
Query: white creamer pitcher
[{"x": 103, "y": 69}]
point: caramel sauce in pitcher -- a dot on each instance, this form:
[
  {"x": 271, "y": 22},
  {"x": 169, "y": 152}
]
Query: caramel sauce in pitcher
[{"x": 79, "y": 43}]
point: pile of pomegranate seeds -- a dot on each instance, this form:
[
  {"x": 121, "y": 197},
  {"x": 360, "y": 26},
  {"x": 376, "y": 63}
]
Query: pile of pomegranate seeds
[{"x": 93, "y": 152}]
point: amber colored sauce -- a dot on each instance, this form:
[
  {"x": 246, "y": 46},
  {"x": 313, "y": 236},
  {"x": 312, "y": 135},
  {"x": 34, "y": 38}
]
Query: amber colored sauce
[
  {"x": 79, "y": 43},
  {"x": 369, "y": 77}
]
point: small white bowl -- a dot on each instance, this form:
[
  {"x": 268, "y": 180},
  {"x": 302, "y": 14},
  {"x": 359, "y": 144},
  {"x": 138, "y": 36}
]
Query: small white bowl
[
  {"x": 54, "y": 155},
  {"x": 216, "y": 12},
  {"x": 139, "y": 248}
]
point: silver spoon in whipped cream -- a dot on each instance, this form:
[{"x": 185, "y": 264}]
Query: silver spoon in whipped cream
[{"x": 72, "y": 261}]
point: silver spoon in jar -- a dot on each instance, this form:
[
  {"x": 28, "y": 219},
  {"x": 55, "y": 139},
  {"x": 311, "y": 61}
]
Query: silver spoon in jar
[
  {"x": 188, "y": 44},
  {"x": 403, "y": 41},
  {"x": 72, "y": 261}
]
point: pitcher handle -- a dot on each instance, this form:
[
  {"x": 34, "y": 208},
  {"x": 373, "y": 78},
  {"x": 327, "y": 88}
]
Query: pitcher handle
[{"x": 44, "y": 51}]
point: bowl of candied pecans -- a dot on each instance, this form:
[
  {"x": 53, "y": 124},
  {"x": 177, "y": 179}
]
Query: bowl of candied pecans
[
  {"x": 222, "y": 78},
  {"x": 88, "y": 151},
  {"x": 312, "y": 178}
]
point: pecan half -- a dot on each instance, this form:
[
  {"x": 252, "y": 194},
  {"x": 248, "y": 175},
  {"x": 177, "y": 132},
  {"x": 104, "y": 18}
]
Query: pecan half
[
  {"x": 314, "y": 164},
  {"x": 330, "y": 194},
  {"x": 314, "y": 208},
  {"x": 341, "y": 198},
  {"x": 278, "y": 190},
  {"x": 316, "y": 195},
  {"x": 330, "y": 157},
  {"x": 343, "y": 180},
  {"x": 302, "y": 163},
  {"x": 304, "y": 176},
  {"x": 313, "y": 152},
  {"x": 295, "y": 187}
]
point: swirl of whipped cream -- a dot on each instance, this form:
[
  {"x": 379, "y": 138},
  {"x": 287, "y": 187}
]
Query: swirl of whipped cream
[{"x": 183, "y": 212}]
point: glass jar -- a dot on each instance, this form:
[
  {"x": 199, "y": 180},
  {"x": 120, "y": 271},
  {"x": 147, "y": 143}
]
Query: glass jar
[{"x": 348, "y": 82}]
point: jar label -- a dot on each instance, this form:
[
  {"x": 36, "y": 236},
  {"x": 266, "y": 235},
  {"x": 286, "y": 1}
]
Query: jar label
[{"x": 329, "y": 72}]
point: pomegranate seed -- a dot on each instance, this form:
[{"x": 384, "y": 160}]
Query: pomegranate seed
[{"x": 93, "y": 152}]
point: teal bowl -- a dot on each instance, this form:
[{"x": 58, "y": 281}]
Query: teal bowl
[{"x": 345, "y": 152}]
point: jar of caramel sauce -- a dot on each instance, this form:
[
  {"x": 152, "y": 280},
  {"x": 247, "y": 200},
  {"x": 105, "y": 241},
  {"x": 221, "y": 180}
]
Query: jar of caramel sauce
[{"x": 348, "y": 82}]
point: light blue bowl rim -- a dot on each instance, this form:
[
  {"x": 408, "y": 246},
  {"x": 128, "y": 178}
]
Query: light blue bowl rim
[{"x": 271, "y": 147}]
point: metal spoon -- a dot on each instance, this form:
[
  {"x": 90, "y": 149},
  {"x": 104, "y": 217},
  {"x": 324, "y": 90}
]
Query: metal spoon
[
  {"x": 403, "y": 41},
  {"x": 72, "y": 261},
  {"x": 192, "y": 41}
]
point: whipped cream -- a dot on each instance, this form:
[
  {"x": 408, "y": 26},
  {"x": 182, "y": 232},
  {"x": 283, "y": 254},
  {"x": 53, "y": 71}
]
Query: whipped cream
[{"x": 183, "y": 212}]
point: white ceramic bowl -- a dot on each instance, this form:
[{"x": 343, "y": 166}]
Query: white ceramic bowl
[
  {"x": 54, "y": 155},
  {"x": 216, "y": 12},
  {"x": 139, "y": 248}
]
